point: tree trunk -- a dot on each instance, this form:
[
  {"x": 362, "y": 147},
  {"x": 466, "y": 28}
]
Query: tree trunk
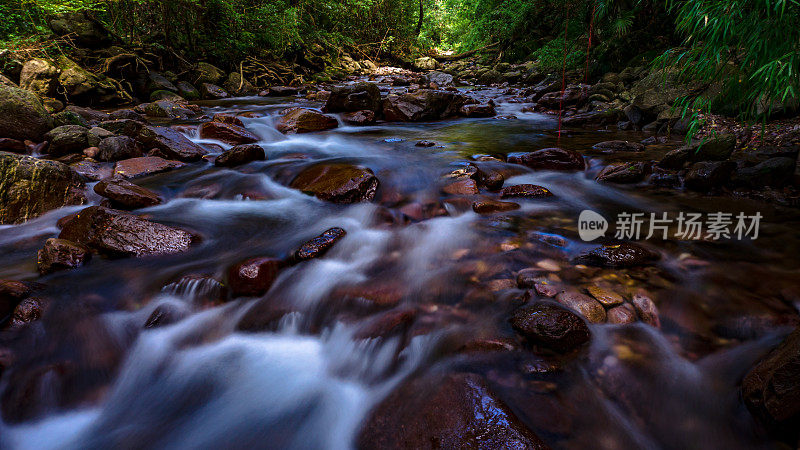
[{"x": 421, "y": 15}]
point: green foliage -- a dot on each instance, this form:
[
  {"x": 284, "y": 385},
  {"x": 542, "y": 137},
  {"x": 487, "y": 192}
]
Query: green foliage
[{"x": 748, "y": 49}]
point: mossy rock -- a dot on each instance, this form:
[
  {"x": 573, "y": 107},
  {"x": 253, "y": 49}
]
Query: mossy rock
[
  {"x": 207, "y": 73},
  {"x": 69, "y": 118},
  {"x": 29, "y": 187},
  {"x": 22, "y": 115}
]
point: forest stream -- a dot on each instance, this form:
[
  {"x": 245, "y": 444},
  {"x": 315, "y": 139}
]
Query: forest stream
[{"x": 407, "y": 309}]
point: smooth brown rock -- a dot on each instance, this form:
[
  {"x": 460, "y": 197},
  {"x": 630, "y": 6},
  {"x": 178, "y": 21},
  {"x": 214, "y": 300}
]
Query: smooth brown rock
[
  {"x": 61, "y": 254},
  {"x": 457, "y": 411},
  {"x": 354, "y": 97},
  {"x": 550, "y": 159},
  {"x": 622, "y": 314},
  {"x": 117, "y": 233},
  {"x": 253, "y": 277},
  {"x": 365, "y": 117},
  {"x": 618, "y": 146},
  {"x": 646, "y": 309},
  {"x": 588, "y": 307},
  {"x": 116, "y": 148},
  {"x": 226, "y": 132},
  {"x": 605, "y": 296},
  {"x": 493, "y": 206},
  {"x": 126, "y": 195},
  {"x": 475, "y": 110},
  {"x": 13, "y": 146},
  {"x": 303, "y": 120},
  {"x": 228, "y": 118},
  {"x": 550, "y": 325},
  {"x": 423, "y": 105},
  {"x": 146, "y": 165},
  {"x": 461, "y": 187},
  {"x": 626, "y": 172},
  {"x": 337, "y": 183},
  {"x": 525, "y": 191},
  {"x": 317, "y": 247},
  {"x": 240, "y": 154}
]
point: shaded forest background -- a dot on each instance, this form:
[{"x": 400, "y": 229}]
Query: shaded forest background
[{"x": 749, "y": 49}]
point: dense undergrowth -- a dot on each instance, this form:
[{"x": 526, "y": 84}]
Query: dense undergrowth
[{"x": 748, "y": 50}]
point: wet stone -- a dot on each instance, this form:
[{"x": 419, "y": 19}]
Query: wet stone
[
  {"x": 493, "y": 206},
  {"x": 618, "y": 146},
  {"x": 550, "y": 159},
  {"x": 226, "y": 132},
  {"x": 126, "y": 195},
  {"x": 28, "y": 310},
  {"x": 240, "y": 154},
  {"x": 646, "y": 309},
  {"x": 552, "y": 326},
  {"x": 61, "y": 254},
  {"x": 622, "y": 314},
  {"x": 337, "y": 183},
  {"x": 525, "y": 191},
  {"x": 588, "y": 307},
  {"x": 318, "y": 246},
  {"x": 605, "y": 296},
  {"x": 253, "y": 277},
  {"x": 146, "y": 165},
  {"x": 620, "y": 255},
  {"x": 461, "y": 187}
]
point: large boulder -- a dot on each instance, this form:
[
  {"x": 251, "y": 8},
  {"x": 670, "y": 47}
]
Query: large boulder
[
  {"x": 238, "y": 86},
  {"x": 30, "y": 187},
  {"x": 67, "y": 139},
  {"x": 60, "y": 254},
  {"x": 354, "y": 97},
  {"x": 207, "y": 73},
  {"x": 302, "y": 120},
  {"x": 424, "y": 104},
  {"x": 550, "y": 159},
  {"x": 426, "y": 63},
  {"x": 337, "y": 183},
  {"x": 39, "y": 76},
  {"x": 79, "y": 26},
  {"x": 771, "y": 390},
  {"x": 22, "y": 115},
  {"x": 82, "y": 86},
  {"x": 707, "y": 175},
  {"x": 117, "y": 233},
  {"x": 445, "y": 412},
  {"x": 172, "y": 143},
  {"x": 440, "y": 79},
  {"x": 658, "y": 91},
  {"x": 117, "y": 148},
  {"x": 240, "y": 154},
  {"x": 144, "y": 166}
]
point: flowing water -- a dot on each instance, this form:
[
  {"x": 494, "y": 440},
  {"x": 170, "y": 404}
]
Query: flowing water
[{"x": 300, "y": 368}]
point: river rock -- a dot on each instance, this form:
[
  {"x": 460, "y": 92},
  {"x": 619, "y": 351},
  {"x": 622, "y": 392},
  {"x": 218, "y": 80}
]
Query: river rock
[
  {"x": 552, "y": 326},
  {"x": 187, "y": 91},
  {"x": 626, "y": 254},
  {"x": 116, "y": 148},
  {"x": 61, "y": 254},
  {"x": 228, "y": 133},
  {"x": 354, "y": 97},
  {"x": 462, "y": 187},
  {"x": 493, "y": 206},
  {"x": 69, "y": 118},
  {"x": 706, "y": 175},
  {"x": 12, "y": 292},
  {"x": 476, "y": 110},
  {"x": 146, "y": 165},
  {"x": 550, "y": 159},
  {"x": 622, "y": 314},
  {"x": 646, "y": 309},
  {"x": 228, "y": 118},
  {"x": 172, "y": 143},
  {"x": 605, "y": 117},
  {"x": 280, "y": 91},
  {"x": 28, "y": 310},
  {"x": 92, "y": 116},
  {"x": 253, "y": 277},
  {"x": 22, "y": 115},
  {"x": 337, "y": 183},
  {"x": 124, "y": 127},
  {"x": 716, "y": 148},
  {"x": 771, "y": 390},
  {"x": 364, "y": 117},
  {"x": 30, "y": 187},
  {"x": 776, "y": 172},
  {"x": 67, "y": 139},
  {"x": 207, "y": 73},
  {"x": 211, "y": 91},
  {"x": 426, "y": 63},
  {"x": 572, "y": 96},
  {"x": 423, "y": 104},
  {"x": 80, "y": 85},
  {"x": 607, "y": 297},
  {"x": 39, "y": 76},
  {"x": 588, "y": 307},
  {"x": 117, "y": 233},
  {"x": 455, "y": 411},
  {"x": 317, "y": 247},
  {"x": 618, "y": 146},
  {"x": 240, "y": 154},
  {"x": 170, "y": 109},
  {"x": 525, "y": 191},
  {"x": 625, "y": 172},
  {"x": 303, "y": 120},
  {"x": 126, "y": 195}
]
